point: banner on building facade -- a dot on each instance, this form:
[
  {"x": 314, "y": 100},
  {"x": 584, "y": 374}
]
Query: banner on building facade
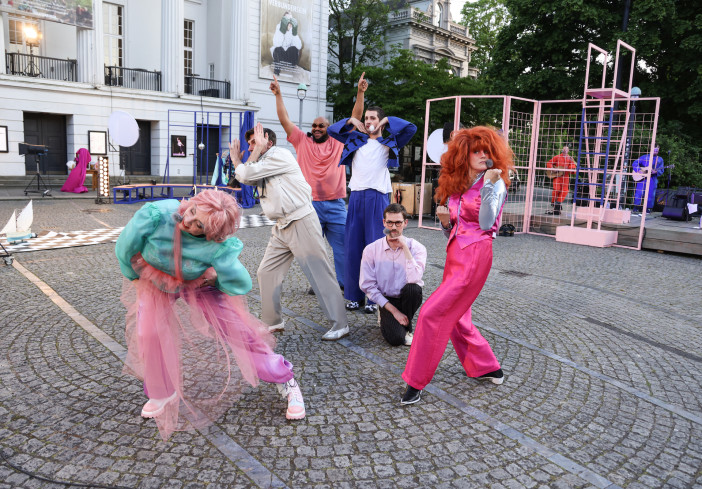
[
  {"x": 286, "y": 40},
  {"x": 74, "y": 12}
]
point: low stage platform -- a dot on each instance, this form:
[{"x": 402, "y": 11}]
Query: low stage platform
[
  {"x": 660, "y": 234},
  {"x": 146, "y": 192}
]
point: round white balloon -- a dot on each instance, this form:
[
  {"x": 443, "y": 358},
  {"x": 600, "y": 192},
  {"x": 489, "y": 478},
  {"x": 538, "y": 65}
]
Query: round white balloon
[
  {"x": 124, "y": 129},
  {"x": 436, "y": 146}
]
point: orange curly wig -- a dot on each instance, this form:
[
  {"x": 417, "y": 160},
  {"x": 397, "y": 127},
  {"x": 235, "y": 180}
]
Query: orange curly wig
[{"x": 456, "y": 174}]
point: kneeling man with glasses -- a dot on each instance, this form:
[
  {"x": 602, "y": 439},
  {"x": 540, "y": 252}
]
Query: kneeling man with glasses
[{"x": 391, "y": 276}]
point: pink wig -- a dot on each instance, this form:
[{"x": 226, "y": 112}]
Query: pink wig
[{"x": 223, "y": 213}]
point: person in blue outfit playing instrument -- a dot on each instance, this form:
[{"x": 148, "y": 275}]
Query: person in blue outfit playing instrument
[{"x": 642, "y": 165}]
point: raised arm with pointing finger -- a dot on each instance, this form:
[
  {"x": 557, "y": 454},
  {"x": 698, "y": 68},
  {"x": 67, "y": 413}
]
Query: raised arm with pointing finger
[
  {"x": 370, "y": 154},
  {"x": 284, "y": 118}
]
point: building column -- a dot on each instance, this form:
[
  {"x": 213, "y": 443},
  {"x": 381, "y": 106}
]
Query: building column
[
  {"x": 239, "y": 52},
  {"x": 90, "y": 50},
  {"x": 3, "y": 65},
  {"x": 172, "y": 67}
]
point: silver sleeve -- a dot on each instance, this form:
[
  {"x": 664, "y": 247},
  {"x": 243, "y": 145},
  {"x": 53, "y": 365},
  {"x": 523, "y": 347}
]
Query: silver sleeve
[{"x": 492, "y": 196}]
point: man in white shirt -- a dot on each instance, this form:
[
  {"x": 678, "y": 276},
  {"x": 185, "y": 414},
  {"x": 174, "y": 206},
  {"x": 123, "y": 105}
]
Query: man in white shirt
[
  {"x": 287, "y": 199},
  {"x": 370, "y": 154},
  {"x": 391, "y": 276}
]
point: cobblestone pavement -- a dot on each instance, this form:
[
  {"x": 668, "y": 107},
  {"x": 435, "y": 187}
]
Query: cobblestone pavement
[{"x": 602, "y": 351}]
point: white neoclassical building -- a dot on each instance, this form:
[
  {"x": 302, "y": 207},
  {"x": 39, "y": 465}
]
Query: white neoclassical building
[
  {"x": 165, "y": 62},
  {"x": 426, "y": 28}
]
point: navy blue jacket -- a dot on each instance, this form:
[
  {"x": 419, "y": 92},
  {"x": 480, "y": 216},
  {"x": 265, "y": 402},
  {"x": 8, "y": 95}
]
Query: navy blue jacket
[{"x": 400, "y": 131}]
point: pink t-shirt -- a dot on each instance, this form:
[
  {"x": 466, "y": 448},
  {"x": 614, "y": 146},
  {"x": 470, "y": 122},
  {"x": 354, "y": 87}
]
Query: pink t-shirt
[{"x": 320, "y": 165}]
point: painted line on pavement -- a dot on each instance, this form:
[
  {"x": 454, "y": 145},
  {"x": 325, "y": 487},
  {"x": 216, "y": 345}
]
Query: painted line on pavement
[
  {"x": 506, "y": 430},
  {"x": 610, "y": 380},
  {"x": 241, "y": 459}
]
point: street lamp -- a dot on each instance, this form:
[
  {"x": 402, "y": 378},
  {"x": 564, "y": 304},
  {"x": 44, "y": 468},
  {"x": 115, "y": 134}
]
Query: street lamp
[{"x": 301, "y": 94}]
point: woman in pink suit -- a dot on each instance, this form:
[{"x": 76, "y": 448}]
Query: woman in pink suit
[
  {"x": 74, "y": 182},
  {"x": 470, "y": 219}
]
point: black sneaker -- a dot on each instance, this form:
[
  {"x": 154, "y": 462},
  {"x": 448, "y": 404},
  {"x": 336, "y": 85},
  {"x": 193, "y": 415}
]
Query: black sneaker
[
  {"x": 352, "y": 306},
  {"x": 496, "y": 377},
  {"x": 370, "y": 309},
  {"x": 411, "y": 395}
]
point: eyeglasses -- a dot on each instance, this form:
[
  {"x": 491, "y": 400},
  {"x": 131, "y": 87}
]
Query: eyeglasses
[
  {"x": 321, "y": 126},
  {"x": 394, "y": 223}
]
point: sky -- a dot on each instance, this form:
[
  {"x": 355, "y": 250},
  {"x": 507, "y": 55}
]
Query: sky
[{"x": 456, "y": 6}]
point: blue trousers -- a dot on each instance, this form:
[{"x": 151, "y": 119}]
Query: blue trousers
[
  {"x": 641, "y": 189},
  {"x": 363, "y": 226},
  {"x": 332, "y": 218}
]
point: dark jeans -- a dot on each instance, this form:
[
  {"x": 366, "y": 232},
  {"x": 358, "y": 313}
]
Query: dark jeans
[{"x": 409, "y": 301}]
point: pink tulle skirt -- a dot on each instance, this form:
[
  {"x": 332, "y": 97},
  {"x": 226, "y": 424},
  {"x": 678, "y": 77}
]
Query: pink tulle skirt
[{"x": 195, "y": 341}]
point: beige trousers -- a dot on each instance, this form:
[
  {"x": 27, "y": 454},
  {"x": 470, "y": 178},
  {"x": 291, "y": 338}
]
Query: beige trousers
[{"x": 302, "y": 240}]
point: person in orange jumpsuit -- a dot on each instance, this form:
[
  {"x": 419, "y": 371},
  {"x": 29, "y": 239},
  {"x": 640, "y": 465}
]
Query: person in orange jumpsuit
[{"x": 562, "y": 166}]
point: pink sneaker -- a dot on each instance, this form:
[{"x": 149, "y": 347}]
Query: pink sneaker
[
  {"x": 296, "y": 406},
  {"x": 155, "y": 407}
]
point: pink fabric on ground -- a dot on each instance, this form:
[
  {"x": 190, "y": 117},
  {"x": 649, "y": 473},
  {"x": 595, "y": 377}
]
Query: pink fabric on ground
[
  {"x": 447, "y": 315},
  {"x": 196, "y": 341},
  {"x": 75, "y": 180}
]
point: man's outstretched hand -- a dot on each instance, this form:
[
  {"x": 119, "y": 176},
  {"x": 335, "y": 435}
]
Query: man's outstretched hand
[
  {"x": 362, "y": 83},
  {"x": 275, "y": 86}
]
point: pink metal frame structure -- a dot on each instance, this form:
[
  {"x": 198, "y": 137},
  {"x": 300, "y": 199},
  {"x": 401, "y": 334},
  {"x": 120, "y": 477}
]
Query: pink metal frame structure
[
  {"x": 602, "y": 163},
  {"x": 505, "y": 126}
]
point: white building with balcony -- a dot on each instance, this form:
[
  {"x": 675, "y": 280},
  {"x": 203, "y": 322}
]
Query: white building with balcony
[
  {"x": 426, "y": 28},
  {"x": 60, "y": 81}
]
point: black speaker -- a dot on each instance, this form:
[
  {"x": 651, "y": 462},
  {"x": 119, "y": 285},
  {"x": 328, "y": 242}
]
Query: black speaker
[
  {"x": 675, "y": 213},
  {"x": 32, "y": 149}
]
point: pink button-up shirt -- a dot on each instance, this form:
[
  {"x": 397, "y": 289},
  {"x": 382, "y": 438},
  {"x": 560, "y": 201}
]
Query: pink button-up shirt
[{"x": 385, "y": 271}]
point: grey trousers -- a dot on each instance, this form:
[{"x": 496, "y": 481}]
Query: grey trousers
[{"x": 302, "y": 240}]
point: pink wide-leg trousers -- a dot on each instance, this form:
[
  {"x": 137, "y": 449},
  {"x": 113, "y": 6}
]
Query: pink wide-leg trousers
[{"x": 447, "y": 315}]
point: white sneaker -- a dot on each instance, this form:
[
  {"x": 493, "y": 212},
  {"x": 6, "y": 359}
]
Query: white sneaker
[
  {"x": 408, "y": 339},
  {"x": 155, "y": 407},
  {"x": 333, "y": 335},
  {"x": 296, "y": 405},
  {"x": 277, "y": 327}
]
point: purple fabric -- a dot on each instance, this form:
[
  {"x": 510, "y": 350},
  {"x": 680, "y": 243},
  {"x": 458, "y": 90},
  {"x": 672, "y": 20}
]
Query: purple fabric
[{"x": 74, "y": 182}]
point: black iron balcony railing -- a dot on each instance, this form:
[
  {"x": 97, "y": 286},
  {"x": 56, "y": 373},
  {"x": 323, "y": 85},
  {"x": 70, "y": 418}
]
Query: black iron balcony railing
[
  {"x": 41, "y": 66},
  {"x": 206, "y": 87},
  {"x": 117, "y": 76}
]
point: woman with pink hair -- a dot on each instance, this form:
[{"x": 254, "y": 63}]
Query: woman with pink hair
[
  {"x": 190, "y": 336},
  {"x": 75, "y": 180}
]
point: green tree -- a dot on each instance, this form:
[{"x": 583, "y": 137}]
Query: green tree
[
  {"x": 485, "y": 19},
  {"x": 356, "y": 37},
  {"x": 404, "y": 84},
  {"x": 542, "y": 52}
]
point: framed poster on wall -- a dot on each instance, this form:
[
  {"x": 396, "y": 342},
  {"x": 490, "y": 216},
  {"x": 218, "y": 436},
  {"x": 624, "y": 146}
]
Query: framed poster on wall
[
  {"x": 3, "y": 139},
  {"x": 286, "y": 40},
  {"x": 97, "y": 142},
  {"x": 179, "y": 146}
]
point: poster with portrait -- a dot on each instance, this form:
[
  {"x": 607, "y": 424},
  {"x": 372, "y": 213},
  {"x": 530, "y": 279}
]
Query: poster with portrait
[
  {"x": 286, "y": 40},
  {"x": 74, "y": 12},
  {"x": 179, "y": 146}
]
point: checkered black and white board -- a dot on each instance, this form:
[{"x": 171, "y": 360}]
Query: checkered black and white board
[{"x": 54, "y": 240}]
